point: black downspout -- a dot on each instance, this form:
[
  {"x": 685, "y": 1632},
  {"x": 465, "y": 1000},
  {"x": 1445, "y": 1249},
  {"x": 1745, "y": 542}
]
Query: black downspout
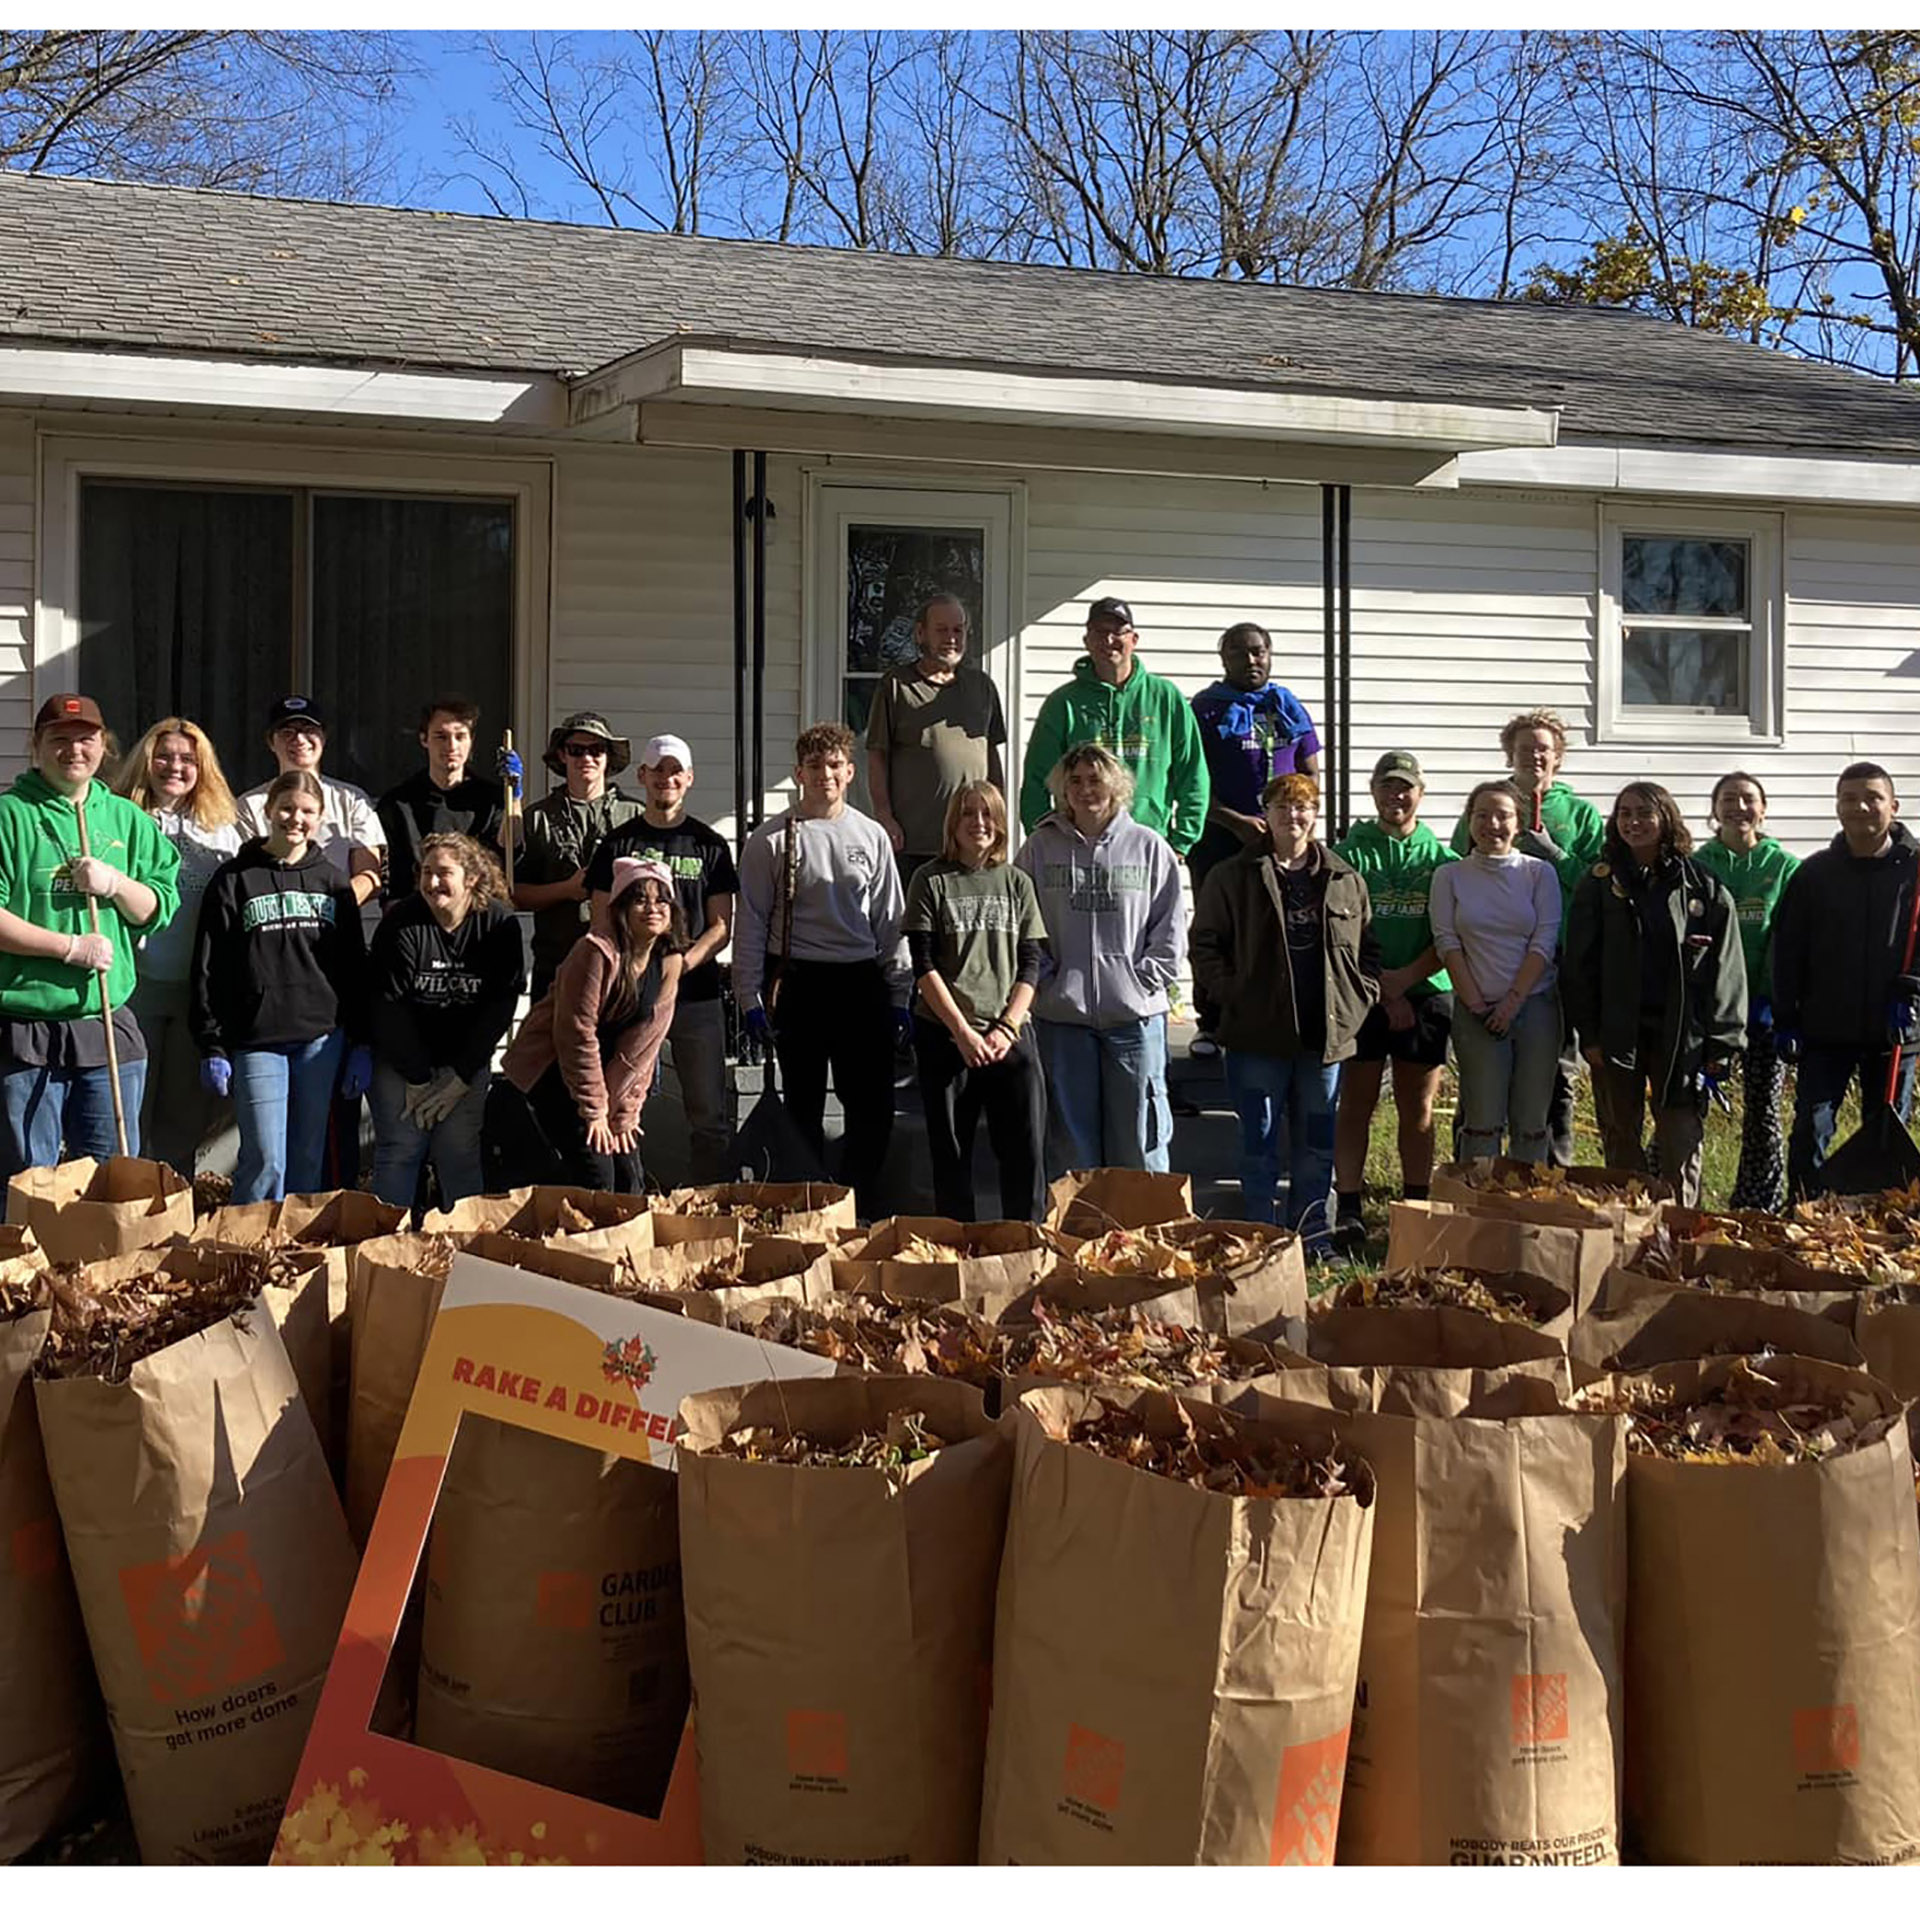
[
  {"x": 740, "y": 826},
  {"x": 1329, "y": 666},
  {"x": 1343, "y": 718},
  {"x": 759, "y": 635}
]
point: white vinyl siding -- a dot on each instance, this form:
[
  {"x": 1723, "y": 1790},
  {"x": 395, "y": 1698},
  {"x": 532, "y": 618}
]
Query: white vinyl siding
[{"x": 17, "y": 492}]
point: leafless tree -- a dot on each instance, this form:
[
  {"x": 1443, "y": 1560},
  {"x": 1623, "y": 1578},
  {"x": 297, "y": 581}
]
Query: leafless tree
[{"x": 298, "y": 113}]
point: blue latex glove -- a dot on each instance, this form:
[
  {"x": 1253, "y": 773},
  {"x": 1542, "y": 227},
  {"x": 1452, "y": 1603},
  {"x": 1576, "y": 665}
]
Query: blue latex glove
[
  {"x": 1903, "y": 1010},
  {"x": 759, "y": 1027},
  {"x": 508, "y": 765},
  {"x": 902, "y": 1025},
  {"x": 216, "y": 1075},
  {"x": 1786, "y": 1042},
  {"x": 359, "y": 1074},
  {"x": 1760, "y": 1014}
]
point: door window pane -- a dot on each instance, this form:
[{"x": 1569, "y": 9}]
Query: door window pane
[
  {"x": 186, "y": 606},
  {"x": 1682, "y": 666},
  {"x": 412, "y": 598},
  {"x": 892, "y": 571},
  {"x": 1691, "y": 579}
]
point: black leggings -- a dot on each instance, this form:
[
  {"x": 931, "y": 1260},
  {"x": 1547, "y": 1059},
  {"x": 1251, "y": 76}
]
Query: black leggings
[{"x": 539, "y": 1139}]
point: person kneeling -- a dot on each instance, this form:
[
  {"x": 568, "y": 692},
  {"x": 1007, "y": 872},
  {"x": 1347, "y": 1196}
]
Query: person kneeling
[
  {"x": 578, "y": 1073},
  {"x": 1283, "y": 944}
]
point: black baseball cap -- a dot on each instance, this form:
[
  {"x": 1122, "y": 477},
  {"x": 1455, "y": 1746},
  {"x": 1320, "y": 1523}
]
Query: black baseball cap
[
  {"x": 1110, "y": 611},
  {"x": 296, "y": 706}
]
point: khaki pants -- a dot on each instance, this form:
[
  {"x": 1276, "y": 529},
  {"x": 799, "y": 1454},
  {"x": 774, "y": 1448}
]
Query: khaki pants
[{"x": 1619, "y": 1099}]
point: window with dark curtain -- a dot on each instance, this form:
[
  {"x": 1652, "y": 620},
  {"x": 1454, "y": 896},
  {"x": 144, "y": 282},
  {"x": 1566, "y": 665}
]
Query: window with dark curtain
[
  {"x": 412, "y": 599},
  {"x": 186, "y": 606}
]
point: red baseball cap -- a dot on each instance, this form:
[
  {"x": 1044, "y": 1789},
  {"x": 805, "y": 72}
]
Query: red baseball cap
[{"x": 75, "y": 708}]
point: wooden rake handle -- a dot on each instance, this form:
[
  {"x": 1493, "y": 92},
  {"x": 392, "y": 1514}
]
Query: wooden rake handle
[{"x": 106, "y": 1003}]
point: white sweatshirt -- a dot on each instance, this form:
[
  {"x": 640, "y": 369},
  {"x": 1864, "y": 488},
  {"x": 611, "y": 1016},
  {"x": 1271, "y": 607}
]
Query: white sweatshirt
[{"x": 1496, "y": 909}]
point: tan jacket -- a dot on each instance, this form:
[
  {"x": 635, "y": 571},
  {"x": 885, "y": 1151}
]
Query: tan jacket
[{"x": 565, "y": 1025}]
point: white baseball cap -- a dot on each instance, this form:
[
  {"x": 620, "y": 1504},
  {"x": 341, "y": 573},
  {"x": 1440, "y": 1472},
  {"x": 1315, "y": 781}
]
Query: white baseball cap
[{"x": 667, "y": 746}]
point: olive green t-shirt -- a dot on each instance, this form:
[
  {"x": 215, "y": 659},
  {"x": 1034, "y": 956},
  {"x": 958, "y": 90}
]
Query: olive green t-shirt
[
  {"x": 936, "y": 736},
  {"x": 977, "y": 920}
]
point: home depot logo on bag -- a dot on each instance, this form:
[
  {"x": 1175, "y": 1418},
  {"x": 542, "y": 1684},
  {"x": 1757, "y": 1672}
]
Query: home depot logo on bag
[
  {"x": 1306, "y": 1809},
  {"x": 1091, "y": 1777},
  {"x": 1539, "y": 1709},
  {"x": 817, "y": 1751},
  {"x": 1826, "y": 1745},
  {"x": 201, "y": 1622}
]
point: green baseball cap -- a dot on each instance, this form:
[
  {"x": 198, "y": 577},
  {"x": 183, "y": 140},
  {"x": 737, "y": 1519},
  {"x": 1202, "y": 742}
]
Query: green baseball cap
[{"x": 1399, "y": 765}]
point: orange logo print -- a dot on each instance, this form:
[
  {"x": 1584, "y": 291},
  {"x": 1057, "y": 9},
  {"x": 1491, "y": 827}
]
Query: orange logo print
[
  {"x": 202, "y": 1621},
  {"x": 564, "y": 1601},
  {"x": 1306, "y": 1810},
  {"x": 1539, "y": 1708},
  {"x": 817, "y": 1744},
  {"x": 1826, "y": 1739},
  {"x": 1094, "y": 1769},
  {"x": 36, "y": 1549}
]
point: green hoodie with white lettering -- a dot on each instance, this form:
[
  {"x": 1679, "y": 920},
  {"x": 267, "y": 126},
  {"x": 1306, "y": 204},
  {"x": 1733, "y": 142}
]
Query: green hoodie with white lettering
[
  {"x": 39, "y": 837},
  {"x": 1399, "y": 877},
  {"x": 1756, "y": 880}
]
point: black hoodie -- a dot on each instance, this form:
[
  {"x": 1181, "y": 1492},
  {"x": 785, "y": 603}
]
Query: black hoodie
[
  {"x": 279, "y": 959},
  {"x": 440, "y": 998},
  {"x": 1839, "y": 937}
]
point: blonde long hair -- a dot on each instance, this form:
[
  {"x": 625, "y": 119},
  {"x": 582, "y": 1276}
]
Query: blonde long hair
[{"x": 209, "y": 805}]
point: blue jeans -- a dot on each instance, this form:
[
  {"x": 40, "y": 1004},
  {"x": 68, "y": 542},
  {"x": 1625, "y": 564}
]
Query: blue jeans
[
  {"x": 1819, "y": 1089},
  {"x": 282, "y": 1097},
  {"x": 400, "y": 1147},
  {"x": 1290, "y": 1099},
  {"x": 45, "y": 1108},
  {"x": 1106, "y": 1095},
  {"x": 1506, "y": 1081}
]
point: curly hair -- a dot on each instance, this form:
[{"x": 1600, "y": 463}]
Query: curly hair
[
  {"x": 1119, "y": 780},
  {"x": 819, "y": 742},
  {"x": 485, "y": 881},
  {"x": 1542, "y": 717}
]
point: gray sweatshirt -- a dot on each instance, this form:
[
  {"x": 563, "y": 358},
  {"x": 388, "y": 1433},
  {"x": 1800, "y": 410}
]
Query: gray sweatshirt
[
  {"x": 847, "y": 903},
  {"x": 1116, "y": 936},
  {"x": 1495, "y": 911}
]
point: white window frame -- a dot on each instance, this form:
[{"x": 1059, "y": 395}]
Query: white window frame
[
  {"x": 66, "y": 460},
  {"x": 1764, "y": 721}
]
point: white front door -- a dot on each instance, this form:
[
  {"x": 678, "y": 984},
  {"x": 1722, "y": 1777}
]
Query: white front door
[{"x": 878, "y": 554}]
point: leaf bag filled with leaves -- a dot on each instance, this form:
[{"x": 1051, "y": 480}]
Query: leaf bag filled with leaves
[
  {"x": 800, "y": 1209},
  {"x": 1239, "y": 1278},
  {"x": 866, "y": 1333},
  {"x": 1888, "y": 1334},
  {"x": 909, "y": 1257},
  {"x": 52, "y": 1733},
  {"x": 1100, "y": 1199},
  {"x": 1178, "y": 1633},
  {"x": 1627, "y": 1203},
  {"x": 1424, "y": 1238},
  {"x": 710, "y": 1278},
  {"x": 840, "y": 1543},
  {"x": 86, "y": 1209},
  {"x": 1449, "y": 1319},
  {"x": 552, "y": 1645},
  {"x": 207, "y": 1545},
  {"x": 1657, "y": 1325},
  {"x": 1773, "y": 1616},
  {"x": 1042, "y": 1342},
  {"x": 573, "y": 1216},
  {"x": 1487, "y": 1727}
]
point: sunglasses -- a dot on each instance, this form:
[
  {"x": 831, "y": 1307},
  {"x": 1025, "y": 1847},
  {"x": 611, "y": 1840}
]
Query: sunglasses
[{"x": 585, "y": 749}]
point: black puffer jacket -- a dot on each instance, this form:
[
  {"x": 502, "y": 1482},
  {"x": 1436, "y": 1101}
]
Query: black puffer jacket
[{"x": 1838, "y": 941}]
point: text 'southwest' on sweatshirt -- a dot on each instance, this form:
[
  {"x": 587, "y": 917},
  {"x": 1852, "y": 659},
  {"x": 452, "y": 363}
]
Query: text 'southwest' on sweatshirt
[
  {"x": 279, "y": 958},
  {"x": 1116, "y": 935}
]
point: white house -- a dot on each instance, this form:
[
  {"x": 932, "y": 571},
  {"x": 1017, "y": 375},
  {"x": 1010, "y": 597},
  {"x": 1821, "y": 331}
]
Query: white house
[{"x": 248, "y": 445}]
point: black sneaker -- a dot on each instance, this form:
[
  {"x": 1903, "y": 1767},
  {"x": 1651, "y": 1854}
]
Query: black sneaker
[{"x": 1349, "y": 1237}]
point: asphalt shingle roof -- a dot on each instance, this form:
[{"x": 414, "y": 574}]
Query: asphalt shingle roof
[{"x": 177, "y": 270}]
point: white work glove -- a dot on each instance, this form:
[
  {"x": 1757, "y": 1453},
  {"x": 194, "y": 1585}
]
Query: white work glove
[
  {"x": 88, "y": 875},
  {"x": 438, "y": 1098},
  {"x": 91, "y": 952}
]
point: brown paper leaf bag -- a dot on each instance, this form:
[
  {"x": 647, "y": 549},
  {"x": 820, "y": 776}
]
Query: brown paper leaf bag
[
  {"x": 1424, "y": 1238},
  {"x": 552, "y": 1645},
  {"x": 1487, "y": 1724},
  {"x": 798, "y": 1209},
  {"x": 901, "y": 1259},
  {"x": 1773, "y": 1640},
  {"x": 840, "y": 1625},
  {"x": 1656, "y": 1325},
  {"x": 1256, "y": 1293},
  {"x": 87, "y": 1209},
  {"x": 1087, "y": 1204},
  {"x": 52, "y": 1733},
  {"x": 213, "y": 1569},
  {"x": 1438, "y": 1336},
  {"x": 1173, "y": 1668},
  {"x": 1888, "y": 1333},
  {"x": 1627, "y": 1203},
  {"x": 573, "y": 1215}
]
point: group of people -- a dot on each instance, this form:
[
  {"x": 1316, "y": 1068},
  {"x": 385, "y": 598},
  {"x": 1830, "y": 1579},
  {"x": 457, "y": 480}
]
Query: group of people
[{"x": 224, "y": 947}]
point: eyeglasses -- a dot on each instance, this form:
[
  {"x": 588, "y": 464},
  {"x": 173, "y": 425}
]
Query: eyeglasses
[{"x": 585, "y": 749}]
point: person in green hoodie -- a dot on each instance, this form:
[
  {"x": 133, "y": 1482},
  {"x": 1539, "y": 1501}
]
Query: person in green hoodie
[
  {"x": 1558, "y": 826},
  {"x": 1396, "y": 854},
  {"x": 54, "y": 1089},
  {"x": 1143, "y": 720},
  {"x": 1755, "y": 870}
]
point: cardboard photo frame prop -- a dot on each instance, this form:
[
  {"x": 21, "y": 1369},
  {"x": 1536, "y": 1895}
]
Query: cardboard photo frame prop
[{"x": 558, "y": 1359}]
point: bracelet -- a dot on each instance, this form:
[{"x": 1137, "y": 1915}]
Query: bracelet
[{"x": 1004, "y": 1025}]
